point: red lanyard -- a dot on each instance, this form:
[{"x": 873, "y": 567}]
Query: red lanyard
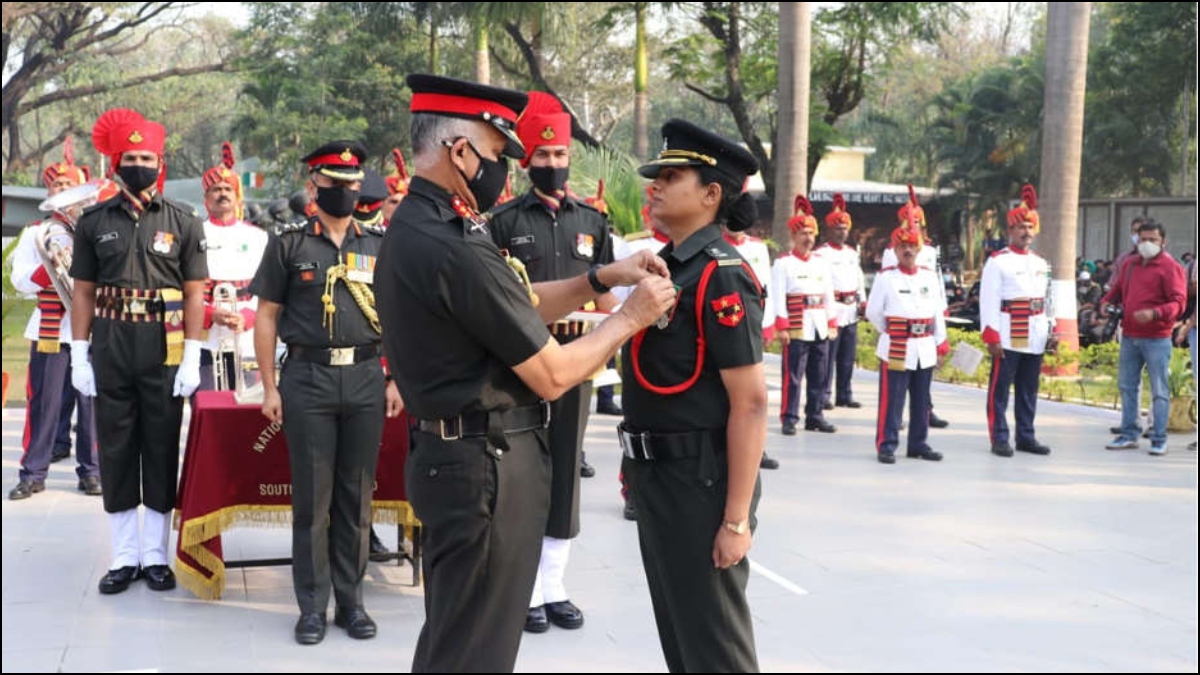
[{"x": 701, "y": 342}]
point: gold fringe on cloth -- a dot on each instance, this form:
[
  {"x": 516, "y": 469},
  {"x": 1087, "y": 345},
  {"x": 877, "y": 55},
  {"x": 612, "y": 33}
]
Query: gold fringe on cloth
[
  {"x": 196, "y": 531},
  {"x": 172, "y": 299}
]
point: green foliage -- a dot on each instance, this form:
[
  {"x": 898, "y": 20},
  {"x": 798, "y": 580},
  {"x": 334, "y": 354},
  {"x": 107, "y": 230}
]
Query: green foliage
[
  {"x": 624, "y": 190},
  {"x": 1181, "y": 381},
  {"x": 1135, "y": 131}
]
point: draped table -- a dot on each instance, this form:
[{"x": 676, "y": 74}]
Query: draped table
[{"x": 236, "y": 473}]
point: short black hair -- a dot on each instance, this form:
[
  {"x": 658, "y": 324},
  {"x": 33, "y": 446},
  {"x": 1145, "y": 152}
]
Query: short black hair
[{"x": 1149, "y": 224}]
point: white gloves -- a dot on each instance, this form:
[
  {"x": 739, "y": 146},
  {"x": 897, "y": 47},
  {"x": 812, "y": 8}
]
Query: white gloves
[
  {"x": 187, "y": 378},
  {"x": 82, "y": 376}
]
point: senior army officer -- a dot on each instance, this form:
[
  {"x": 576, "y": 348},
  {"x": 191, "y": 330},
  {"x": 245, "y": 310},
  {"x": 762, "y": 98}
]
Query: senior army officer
[
  {"x": 473, "y": 360},
  {"x": 314, "y": 290}
]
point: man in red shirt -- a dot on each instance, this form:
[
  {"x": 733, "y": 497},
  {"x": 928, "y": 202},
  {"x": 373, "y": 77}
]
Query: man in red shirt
[{"x": 1152, "y": 292}]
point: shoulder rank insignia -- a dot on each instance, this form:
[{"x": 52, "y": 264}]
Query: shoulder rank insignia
[
  {"x": 716, "y": 252},
  {"x": 729, "y": 309},
  {"x": 640, "y": 234}
]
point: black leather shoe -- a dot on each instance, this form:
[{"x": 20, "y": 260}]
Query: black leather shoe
[
  {"x": 25, "y": 490},
  {"x": 357, "y": 623},
  {"x": 826, "y": 406},
  {"x": 849, "y": 404},
  {"x": 1034, "y": 447},
  {"x": 159, "y": 577},
  {"x": 564, "y": 614},
  {"x": 821, "y": 425},
  {"x": 60, "y": 454},
  {"x": 630, "y": 510},
  {"x": 1002, "y": 449},
  {"x": 789, "y": 429},
  {"x": 768, "y": 462},
  {"x": 90, "y": 485},
  {"x": 310, "y": 629},
  {"x": 931, "y": 455},
  {"x": 378, "y": 551},
  {"x": 586, "y": 470},
  {"x": 937, "y": 422},
  {"x": 610, "y": 409},
  {"x": 887, "y": 458},
  {"x": 116, "y": 581},
  {"x": 536, "y": 621}
]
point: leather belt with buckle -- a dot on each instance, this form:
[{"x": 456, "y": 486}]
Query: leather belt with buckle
[
  {"x": 333, "y": 356},
  {"x": 651, "y": 447},
  {"x": 470, "y": 425}
]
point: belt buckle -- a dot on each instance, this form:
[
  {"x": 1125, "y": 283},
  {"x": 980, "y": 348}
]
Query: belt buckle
[
  {"x": 457, "y": 426},
  {"x": 628, "y": 446},
  {"x": 135, "y": 306},
  {"x": 919, "y": 329},
  {"x": 1036, "y": 305},
  {"x": 341, "y": 356}
]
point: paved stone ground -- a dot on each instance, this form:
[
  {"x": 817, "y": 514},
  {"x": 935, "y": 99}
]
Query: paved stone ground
[{"x": 1082, "y": 561}]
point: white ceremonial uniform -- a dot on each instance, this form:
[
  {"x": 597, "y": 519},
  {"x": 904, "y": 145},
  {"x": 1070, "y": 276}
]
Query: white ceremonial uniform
[
  {"x": 900, "y": 295},
  {"x": 846, "y": 269},
  {"x": 1010, "y": 278},
  {"x": 234, "y": 252},
  {"x": 623, "y": 248},
  {"x": 25, "y": 262},
  {"x": 806, "y": 285},
  {"x": 756, "y": 253}
]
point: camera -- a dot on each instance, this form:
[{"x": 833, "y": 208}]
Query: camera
[{"x": 1114, "y": 321}]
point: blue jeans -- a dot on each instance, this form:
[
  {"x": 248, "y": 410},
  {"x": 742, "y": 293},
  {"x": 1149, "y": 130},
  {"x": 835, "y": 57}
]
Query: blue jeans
[{"x": 1153, "y": 354}]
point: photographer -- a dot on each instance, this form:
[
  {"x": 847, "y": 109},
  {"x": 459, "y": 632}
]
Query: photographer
[{"x": 1152, "y": 293}]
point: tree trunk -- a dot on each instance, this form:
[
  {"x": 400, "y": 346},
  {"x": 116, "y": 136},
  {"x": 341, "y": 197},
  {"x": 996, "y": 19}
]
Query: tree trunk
[
  {"x": 641, "y": 98},
  {"x": 483, "y": 66},
  {"x": 1062, "y": 147},
  {"x": 433, "y": 46},
  {"x": 790, "y": 153}
]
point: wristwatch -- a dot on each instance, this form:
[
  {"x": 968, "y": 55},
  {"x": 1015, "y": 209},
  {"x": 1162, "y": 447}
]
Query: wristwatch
[
  {"x": 593, "y": 278},
  {"x": 740, "y": 527}
]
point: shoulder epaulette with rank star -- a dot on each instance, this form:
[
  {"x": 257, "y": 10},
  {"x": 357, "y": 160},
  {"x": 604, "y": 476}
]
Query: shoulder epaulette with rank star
[
  {"x": 506, "y": 206},
  {"x": 373, "y": 229},
  {"x": 297, "y": 226},
  {"x": 715, "y": 251},
  {"x": 180, "y": 206},
  {"x": 640, "y": 234}
]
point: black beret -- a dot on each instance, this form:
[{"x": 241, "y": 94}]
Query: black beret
[
  {"x": 685, "y": 144},
  {"x": 340, "y": 160},
  {"x": 470, "y": 100}
]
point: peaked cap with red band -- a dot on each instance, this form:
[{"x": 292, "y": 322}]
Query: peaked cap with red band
[
  {"x": 803, "y": 218},
  {"x": 1026, "y": 211},
  {"x": 839, "y": 215},
  {"x": 368, "y": 209},
  {"x": 122, "y": 130},
  {"x": 543, "y": 122},
  {"x": 66, "y": 168},
  {"x": 397, "y": 183},
  {"x": 449, "y": 97},
  {"x": 339, "y": 160}
]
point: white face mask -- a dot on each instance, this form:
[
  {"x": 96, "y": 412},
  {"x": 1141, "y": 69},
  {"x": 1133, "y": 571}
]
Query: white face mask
[{"x": 1148, "y": 249}]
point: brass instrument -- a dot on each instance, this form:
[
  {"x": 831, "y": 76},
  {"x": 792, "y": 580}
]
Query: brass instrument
[
  {"x": 57, "y": 238},
  {"x": 225, "y": 297}
]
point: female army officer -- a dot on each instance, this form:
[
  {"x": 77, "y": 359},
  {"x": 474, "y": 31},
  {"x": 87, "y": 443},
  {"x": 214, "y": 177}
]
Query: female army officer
[{"x": 695, "y": 408}]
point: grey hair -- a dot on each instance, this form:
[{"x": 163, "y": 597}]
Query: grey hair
[{"x": 427, "y": 131}]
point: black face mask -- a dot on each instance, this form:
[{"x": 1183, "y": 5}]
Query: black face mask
[
  {"x": 488, "y": 182},
  {"x": 549, "y": 179},
  {"x": 338, "y": 201},
  {"x": 138, "y": 178}
]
